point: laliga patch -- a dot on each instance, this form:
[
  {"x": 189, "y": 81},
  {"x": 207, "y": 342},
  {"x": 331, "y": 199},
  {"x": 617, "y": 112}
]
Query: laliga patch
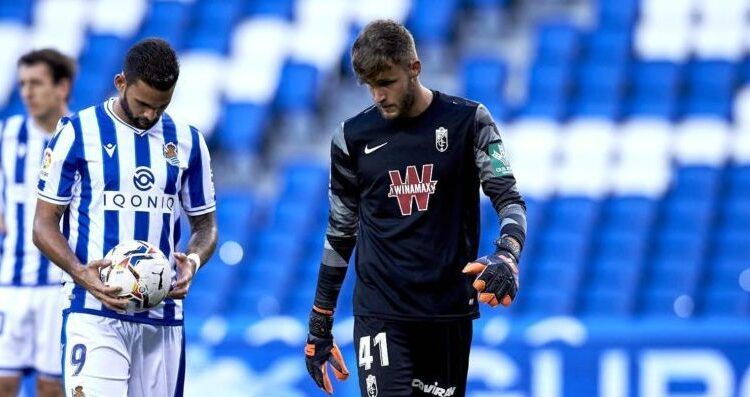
[
  {"x": 46, "y": 164},
  {"x": 498, "y": 159}
]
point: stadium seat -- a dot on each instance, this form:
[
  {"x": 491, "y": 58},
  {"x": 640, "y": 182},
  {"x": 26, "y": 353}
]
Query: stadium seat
[
  {"x": 298, "y": 88},
  {"x": 629, "y": 214},
  {"x": 608, "y": 45},
  {"x": 242, "y": 127},
  {"x": 16, "y": 11},
  {"x": 619, "y": 14},
  {"x": 484, "y": 80},
  {"x": 431, "y": 22},
  {"x": 660, "y": 302},
  {"x": 557, "y": 43},
  {"x": 607, "y": 302},
  {"x": 729, "y": 302},
  {"x": 572, "y": 214}
]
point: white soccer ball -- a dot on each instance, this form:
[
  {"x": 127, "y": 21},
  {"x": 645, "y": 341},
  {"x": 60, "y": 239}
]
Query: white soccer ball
[{"x": 142, "y": 272}]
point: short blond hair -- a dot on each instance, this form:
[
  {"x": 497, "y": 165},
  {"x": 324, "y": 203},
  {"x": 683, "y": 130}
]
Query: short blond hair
[{"x": 381, "y": 45}]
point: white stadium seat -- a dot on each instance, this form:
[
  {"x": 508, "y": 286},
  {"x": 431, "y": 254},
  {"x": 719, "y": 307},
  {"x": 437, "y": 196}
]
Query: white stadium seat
[
  {"x": 117, "y": 17},
  {"x": 702, "y": 141}
]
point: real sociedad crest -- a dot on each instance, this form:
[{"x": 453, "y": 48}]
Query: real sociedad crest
[
  {"x": 441, "y": 139},
  {"x": 170, "y": 154}
]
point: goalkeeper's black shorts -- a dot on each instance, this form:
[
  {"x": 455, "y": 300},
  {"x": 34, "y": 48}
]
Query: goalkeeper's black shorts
[{"x": 412, "y": 358}]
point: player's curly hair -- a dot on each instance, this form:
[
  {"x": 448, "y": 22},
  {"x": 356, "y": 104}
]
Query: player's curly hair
[
  {"x": 382, "y": 44},
  {"x": 152, "y": 61},
  {"x": 61, "y": 66}
]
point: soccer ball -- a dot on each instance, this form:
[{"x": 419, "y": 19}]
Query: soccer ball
[{"x": 142, "y": 272}]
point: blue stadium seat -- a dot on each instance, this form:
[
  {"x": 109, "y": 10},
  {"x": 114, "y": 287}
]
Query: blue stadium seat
[
  {"x": 549, "y": 88},
  {"x": 607, "y": 302},
  {"x": 484, "y": 81},
  {"x": 735, "y": 214},
  {"x": 600, "y": 81},
  {"x": 561, "y": 272},
  {"x": 611, "y": 46},
  {"x": 660, "y": 302},
  {"x": 688, "y": 215},
  {"x": 16, "y": 10},
  {"x": 738, "y": 183},
  {"x": 622, "y": 245},
  {"x": 484, "y": 78},
  {"x": 629, "y": 213},
  {"x": 617, "y": 13},
  {"x": 655, "y": 87},
  {"x": 272, "y": 8},
  {"x": 615, "y": 274},
  {"x": 168, "y": 20},
  {"x": 298, "y": 88},
  {"x": 573, "y": 214},
  {"x": 568, "y": 246},
  {"x": 684, "y": 276},
  {"x": 431, "y": 22},
  {"x": 596, "y": 108},
  {"x": 241, "y": 127},
  {"x": 731, "y": 251},
  {"x": 304, "y": 180},
  {"x": 547, "y": 302},
  {"x": 14, "y": 106},
  {"x": 710, "y": 86},
  {"x": 90, "y": 89},
  {"x": 103, "y": 54},
  {"x": 698, "y": 183},
  {"x": 729, "y": 302},
  {"x": 679, "y": 248},
  {"x": 557, "y": 43},
  {"x": 711, "y": 78}
]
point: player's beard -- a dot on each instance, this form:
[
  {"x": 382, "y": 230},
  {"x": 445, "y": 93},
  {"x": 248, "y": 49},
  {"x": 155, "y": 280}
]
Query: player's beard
[
  {"x": 405, "y": 104},
  {"x": 137, "y": 122}
]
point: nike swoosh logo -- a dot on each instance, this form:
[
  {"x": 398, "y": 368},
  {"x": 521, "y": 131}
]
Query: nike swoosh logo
[
  {"x": 369, "y": 150},
  {"x": 110, "y": 149}
]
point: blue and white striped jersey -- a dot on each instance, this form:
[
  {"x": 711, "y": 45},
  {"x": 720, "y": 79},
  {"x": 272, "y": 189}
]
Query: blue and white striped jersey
[
  {"x": 22, "y": 143},
  {"x": 121, "y": 183}
]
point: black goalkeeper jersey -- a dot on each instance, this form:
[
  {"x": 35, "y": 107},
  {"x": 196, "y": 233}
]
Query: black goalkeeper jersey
[{"x": 407, "y": 192}]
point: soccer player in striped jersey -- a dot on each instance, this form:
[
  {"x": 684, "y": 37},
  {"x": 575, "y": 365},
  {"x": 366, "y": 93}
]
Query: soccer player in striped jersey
[
  {"x": 29, "y": 285},
  {"x": 118, "y": 171}
]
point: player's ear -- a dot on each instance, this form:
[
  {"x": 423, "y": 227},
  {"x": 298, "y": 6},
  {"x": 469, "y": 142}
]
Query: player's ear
[
  {"x": 120, "y": 82},
  {"x": 415, "y": 68}
]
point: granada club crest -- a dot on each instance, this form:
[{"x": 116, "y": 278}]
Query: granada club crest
[
  {"x": 441, "y": 139},
  {"x": 372, "y": 386},
  {"x": 415, "y": 188}
]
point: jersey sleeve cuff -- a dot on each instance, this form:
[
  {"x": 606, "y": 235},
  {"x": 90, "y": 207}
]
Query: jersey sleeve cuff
[
  {"x": 53, "y": 199},
  {"x": 201, "y": 210}
]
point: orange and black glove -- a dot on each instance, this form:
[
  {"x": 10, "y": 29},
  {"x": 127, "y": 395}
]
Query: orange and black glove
[
  {"x": 320, "y": 350},
  {"x": 497, "y": 274}
]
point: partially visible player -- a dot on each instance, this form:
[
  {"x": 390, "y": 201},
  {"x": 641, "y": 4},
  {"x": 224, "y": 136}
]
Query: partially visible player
[
  {"x": 404, "y": 188},
  {"x": 125, "y": 170},
  {"x": 29, "y": 285}
]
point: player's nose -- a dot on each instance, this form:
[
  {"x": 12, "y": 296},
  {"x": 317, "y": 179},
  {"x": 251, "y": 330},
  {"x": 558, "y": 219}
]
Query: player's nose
[{"x": 378, "y": 95}]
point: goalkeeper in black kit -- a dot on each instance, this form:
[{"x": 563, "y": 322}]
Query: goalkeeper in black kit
[{"x": 404, "y": 189}]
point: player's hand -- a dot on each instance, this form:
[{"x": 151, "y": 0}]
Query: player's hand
[
  {"x": 186, "y": 269},
  {"x": 321, "y": 351},
  {"x": 497, "y": 278},
  {"x": 89, "y": 278}
]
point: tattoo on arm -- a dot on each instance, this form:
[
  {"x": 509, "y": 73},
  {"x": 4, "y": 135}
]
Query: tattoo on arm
[
  {"x": 49, "y": 239},
  {"x": 203, "y": 235}
]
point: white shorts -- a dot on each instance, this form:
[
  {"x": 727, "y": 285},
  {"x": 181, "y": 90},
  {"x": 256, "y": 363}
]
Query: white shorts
[
  {"x": 30, "y": 320},
  {"x": 107, "y": 357}
]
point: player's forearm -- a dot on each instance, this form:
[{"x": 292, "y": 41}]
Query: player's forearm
[
  {"x": 203, "y": 237},
  {"x": 51, "y": 242},
  {"x": 333, "y": 267}
]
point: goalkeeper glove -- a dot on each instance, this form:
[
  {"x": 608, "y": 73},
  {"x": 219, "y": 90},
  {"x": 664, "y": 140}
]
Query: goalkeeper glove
[
  {"x": 321, "y": 350},
  {"x": 497, "y": 275}
]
